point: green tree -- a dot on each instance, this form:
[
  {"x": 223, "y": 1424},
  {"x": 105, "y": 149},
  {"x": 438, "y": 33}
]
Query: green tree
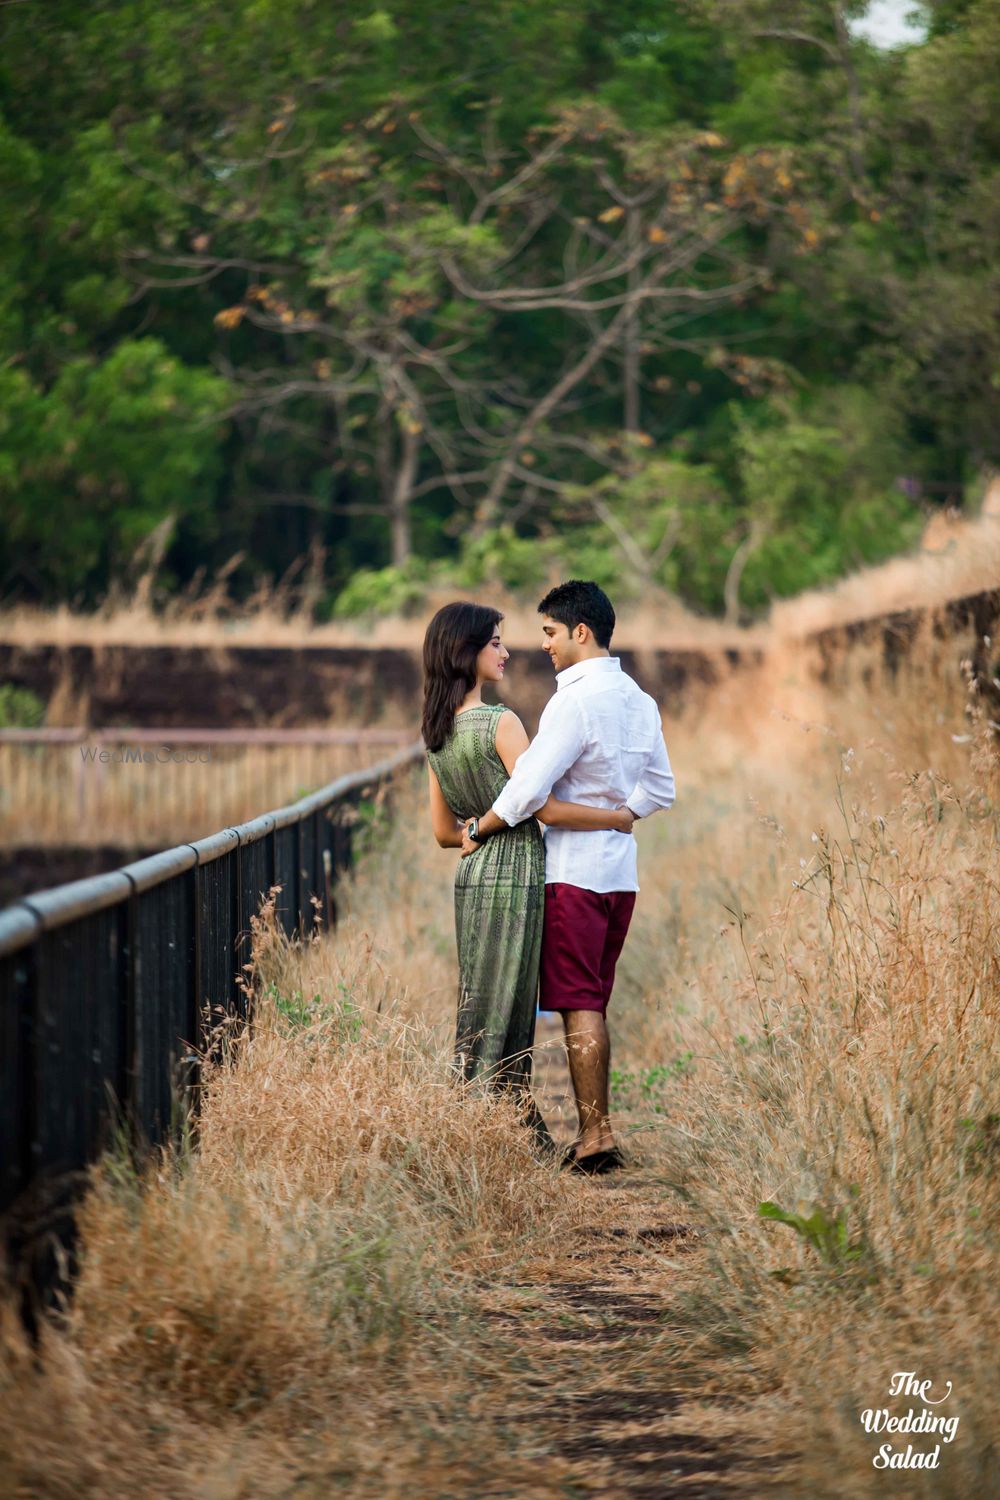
[
  {"x": 423, "y": 291},
  {"x": 91, "y": 467},
  {"x": 821, "y": 492}
]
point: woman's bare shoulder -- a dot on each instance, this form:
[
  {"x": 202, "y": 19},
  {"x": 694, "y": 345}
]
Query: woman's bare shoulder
[{"x": 509, "y": 739}]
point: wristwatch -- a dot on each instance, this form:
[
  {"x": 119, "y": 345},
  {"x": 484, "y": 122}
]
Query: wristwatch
[{"x": 474, "y": 834}]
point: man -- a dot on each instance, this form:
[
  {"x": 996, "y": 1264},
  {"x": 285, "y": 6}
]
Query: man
[{"x": 599, "y": 742}]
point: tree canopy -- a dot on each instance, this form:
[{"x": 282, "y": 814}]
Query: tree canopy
[{"x": 692, "y": 296}]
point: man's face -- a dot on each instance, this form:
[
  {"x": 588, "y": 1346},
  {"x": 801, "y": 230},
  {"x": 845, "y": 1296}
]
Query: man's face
[{"x": 562, "y": 648}]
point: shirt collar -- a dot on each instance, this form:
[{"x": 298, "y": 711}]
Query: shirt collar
[{"x": 591, "y": 666}]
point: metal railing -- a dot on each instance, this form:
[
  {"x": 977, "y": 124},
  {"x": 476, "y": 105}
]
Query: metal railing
[{"x": 104, "y": 982}]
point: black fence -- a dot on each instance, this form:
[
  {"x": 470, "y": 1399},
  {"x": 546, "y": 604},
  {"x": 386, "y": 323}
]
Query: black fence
[{"x": 104, "y": 983}]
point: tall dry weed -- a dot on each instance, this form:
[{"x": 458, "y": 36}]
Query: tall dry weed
[
  {"x": 304, "y": 1274},
  {"x": 814, "y": 986},
  {"x": 805, "y": 1017}
]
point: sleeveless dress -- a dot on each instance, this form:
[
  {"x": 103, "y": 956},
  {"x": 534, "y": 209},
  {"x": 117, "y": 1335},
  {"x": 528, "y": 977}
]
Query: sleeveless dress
[{"x": 499, "y": 905}]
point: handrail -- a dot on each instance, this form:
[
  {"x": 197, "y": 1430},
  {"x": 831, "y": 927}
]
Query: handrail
[{"x": 78, "y": 897}]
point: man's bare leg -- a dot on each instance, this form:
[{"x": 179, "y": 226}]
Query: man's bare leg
[{"x": 589, "y": 1048}]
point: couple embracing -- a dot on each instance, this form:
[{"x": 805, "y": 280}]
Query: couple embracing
[{"x": 541, "y": 920}]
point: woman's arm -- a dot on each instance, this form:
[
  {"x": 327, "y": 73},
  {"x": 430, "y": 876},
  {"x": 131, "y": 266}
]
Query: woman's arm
[
  {"x": 447, "y": 828},
  {"x": 512, "y": 741}
]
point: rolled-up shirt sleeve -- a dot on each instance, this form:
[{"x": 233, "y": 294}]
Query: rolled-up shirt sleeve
[
  {"x": 558, "y": 743},
  {"x": 655, "y": 787}
]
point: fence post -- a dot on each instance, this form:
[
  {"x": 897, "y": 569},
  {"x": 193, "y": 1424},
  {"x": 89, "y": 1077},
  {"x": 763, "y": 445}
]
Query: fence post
[
  {"x": 161, "y": 929},
  {"x": 255, "y": 866},
  {"x": 19, "y": 929}
]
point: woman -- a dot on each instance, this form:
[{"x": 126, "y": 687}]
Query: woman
[{"x": 500, "y": 890}]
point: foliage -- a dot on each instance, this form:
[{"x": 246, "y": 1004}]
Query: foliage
[
  {"x": 672, "y": 524},
  {"x": 825, "y": 1233},
  {"x": 340, "y": 1018},
  {"x": 445, "y": 301},
  {"x": 821, "y": 484},
  {"x": 20, "y": 708},
  {"x": 90, "y": 467},
  {"x": 648, "y": 1089},
  {"x": 499, "y": 556},
  {"x": 381, "y": 591}
]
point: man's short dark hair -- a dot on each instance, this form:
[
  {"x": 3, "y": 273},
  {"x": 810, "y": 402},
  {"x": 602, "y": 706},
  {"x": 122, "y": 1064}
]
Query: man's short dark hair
[{"x": 578, "y": 603}]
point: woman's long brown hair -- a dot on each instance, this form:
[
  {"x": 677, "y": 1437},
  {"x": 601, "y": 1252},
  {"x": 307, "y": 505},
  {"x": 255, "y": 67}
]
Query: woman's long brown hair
[{"x": 454, "y": 639}]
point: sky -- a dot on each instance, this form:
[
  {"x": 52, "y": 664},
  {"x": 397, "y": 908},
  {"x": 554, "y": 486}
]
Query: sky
[{"x": 886, "y": 24}]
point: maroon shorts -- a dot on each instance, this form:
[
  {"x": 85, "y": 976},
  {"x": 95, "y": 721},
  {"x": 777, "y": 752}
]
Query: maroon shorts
[{"x": 581, "y": 940}]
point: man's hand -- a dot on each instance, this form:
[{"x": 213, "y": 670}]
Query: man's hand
[
  {"x": 469, "y": 846},
  {"x": 626, "y": 818}
]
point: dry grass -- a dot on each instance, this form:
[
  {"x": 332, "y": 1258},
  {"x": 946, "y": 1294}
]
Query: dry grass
[
  {"x": 805, "y": 1013},
  {"x": 184, "y": 791},
  {"x": 303, "y": 1278},
  {"x": 816, "y": 973},
  {"x": 664, "y": 622}
]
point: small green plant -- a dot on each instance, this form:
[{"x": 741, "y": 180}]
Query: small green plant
[
  {"x": 20, "y": 708},
  {"x": 372, "y": 825},
  {"x": 340, "y": 1015},
  {"x": 296, "y": 1011},
  {"x": 828, "y": 1234},
  {"x": 647, "y": 1088}
]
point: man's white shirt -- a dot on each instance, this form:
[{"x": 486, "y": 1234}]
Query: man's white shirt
[{"x": 599, "y": 742}]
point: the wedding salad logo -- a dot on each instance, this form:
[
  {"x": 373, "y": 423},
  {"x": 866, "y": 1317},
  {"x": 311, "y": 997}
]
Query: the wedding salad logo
[{"x": 918, "y": 1420}]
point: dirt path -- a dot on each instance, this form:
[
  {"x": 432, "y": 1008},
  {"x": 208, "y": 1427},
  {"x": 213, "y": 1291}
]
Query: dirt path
[{"x": 621, "y": 1398}]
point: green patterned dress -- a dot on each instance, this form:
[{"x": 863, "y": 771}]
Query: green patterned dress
[{"x": 499, "y": 904}]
